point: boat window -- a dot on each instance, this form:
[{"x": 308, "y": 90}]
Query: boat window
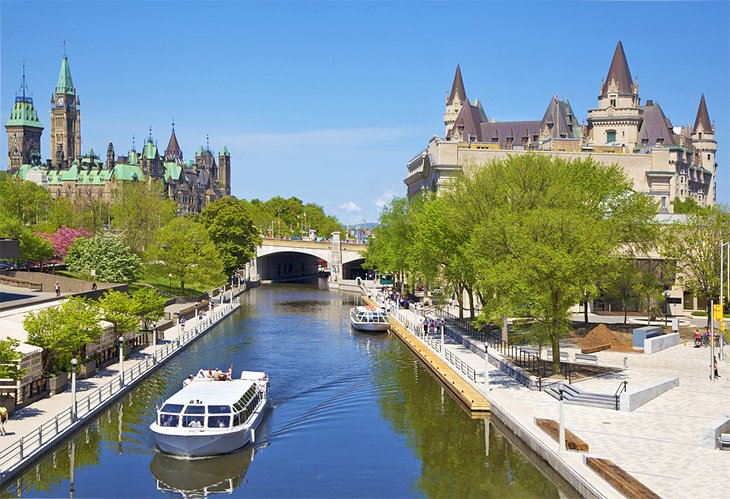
[
  {"x": 219, "y": 409},
  {"x": 195, "y": 409},
  {"x": 169, "y": 420},
  {"x": 219, "y": 421},
  {"x": 193, "y": 421},
  {"x": 174, "y": 408}
]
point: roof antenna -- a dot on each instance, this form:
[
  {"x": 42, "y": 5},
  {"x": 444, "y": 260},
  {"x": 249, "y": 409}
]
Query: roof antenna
[
  {"x": 173, "y": 123},
  {"x": 22, "y": 89},
  {"x": 133, "y": 142},
  {"x": 207, "y": 142},
  {"x": 64, "y": 47}
]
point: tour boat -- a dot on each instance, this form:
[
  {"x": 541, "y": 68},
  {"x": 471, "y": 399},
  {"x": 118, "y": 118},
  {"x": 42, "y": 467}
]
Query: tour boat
[
  {"x": 369, "y": 319},
  {"x": 212, "y": 415}
]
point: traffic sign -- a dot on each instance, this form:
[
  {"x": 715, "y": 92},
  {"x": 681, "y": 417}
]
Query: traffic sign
[{"x": 717, "y": 312}]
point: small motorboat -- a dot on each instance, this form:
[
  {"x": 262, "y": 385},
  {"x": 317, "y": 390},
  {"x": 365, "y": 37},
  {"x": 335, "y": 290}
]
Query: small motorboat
[
  {"x": 212, "y": 414},
  {"x": 369, "y": 319}
]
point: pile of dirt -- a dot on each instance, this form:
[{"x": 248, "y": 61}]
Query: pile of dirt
[{"x": 600, "y": 336}]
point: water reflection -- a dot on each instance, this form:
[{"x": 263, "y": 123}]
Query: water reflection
[{"x": 201, "y": 477}]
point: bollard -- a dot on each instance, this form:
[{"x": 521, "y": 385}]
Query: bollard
[{"x": 626, "y": 362}]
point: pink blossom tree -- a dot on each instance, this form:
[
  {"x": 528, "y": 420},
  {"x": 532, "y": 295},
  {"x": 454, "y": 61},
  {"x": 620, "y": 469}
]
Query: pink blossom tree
[{"x": 62, "y": 240}]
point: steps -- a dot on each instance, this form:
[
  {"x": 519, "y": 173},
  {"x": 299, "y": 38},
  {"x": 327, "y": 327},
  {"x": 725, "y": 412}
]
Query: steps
[{"x": 573, "y": 395}]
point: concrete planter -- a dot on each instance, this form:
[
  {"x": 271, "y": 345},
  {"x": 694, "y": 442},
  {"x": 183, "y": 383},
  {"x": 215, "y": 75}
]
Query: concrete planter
[
  {"x": 87, "y": 369},
  {"x": 56, "y": 384}
]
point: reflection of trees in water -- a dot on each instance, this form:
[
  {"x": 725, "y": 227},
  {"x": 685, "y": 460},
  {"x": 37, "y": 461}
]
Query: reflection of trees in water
[{"x": 450, "y": 446}]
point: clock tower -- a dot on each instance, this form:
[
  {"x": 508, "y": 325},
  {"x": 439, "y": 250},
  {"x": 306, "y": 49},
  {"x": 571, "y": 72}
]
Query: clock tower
[{"x": 65, "y": 115}]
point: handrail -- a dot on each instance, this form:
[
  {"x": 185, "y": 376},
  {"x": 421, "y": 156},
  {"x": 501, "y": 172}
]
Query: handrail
[
  {"x": 621, "y": 389},
  {"x": 34, "y": 441}
]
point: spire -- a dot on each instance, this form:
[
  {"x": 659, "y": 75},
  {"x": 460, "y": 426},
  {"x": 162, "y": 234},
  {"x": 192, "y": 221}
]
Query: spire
[
  {"x": 65, "y": 84},
  {"x": 703, "y": 118},
  {"x": 619, "y": 71},
  {"x": 457, "y": 88},
  {"x": 173, "y": 151}
]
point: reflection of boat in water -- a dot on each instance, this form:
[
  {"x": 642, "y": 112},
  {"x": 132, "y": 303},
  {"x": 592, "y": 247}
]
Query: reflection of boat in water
[
  {"x": 369, "y": 319},
  {"x": 212, "y": 414},
  {"x": 201, "y": 477}
]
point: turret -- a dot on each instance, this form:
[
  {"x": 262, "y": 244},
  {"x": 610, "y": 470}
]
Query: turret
[
  {"x": 704, "y": 143},
  {"x": 110, "y": 156},
  {"x": 454, "y": 101},
  {"x": 224, "y": 171},
  {"x": 24, "y": 131}
]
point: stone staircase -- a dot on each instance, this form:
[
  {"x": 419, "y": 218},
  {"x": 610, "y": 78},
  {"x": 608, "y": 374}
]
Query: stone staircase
[{"x": 573, "y": 395}]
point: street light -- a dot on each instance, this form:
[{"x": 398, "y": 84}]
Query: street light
[
  {"x": 121, "y": 360},
  {"x": 169, "y": 282},
  {"x": 154, "y": 342},
  {"x": 666, "y": 305},
  {"x": 74, "y": 362}
]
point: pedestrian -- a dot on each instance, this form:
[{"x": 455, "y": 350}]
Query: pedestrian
[
  {"x": 93, "y": 286},
  {"x": 3, "y": 419},
  {"x": 188, "y": 380},
  {"x": 675, "y": 324},
  {"x": 57, "y": 288},
  {"x": 182, "y": 324},
  {"x": 716, "y": 375}
]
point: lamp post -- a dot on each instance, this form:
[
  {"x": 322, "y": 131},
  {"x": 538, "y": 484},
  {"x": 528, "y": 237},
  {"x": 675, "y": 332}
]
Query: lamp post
[
  {"x": 561, "y": 444},
  {"x": 486, "y": 365},
  {"x": 121, "y": 360},
  {"x": 666, "y": 305},
  {"x": 154, "y": 342},
  {"x": 169, "y": 282},
  {"x": 74, "y": 362},
  {"x": 722, "y": 301}
]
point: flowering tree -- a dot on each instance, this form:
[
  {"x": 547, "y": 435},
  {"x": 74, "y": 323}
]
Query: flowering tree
[{"x": 62, "y": 240}]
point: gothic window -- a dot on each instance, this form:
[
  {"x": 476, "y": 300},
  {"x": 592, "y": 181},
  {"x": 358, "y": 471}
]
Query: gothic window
[
  {"x": 613, "y": 102},
  {"x": 610, "y": 136},
  {"x": 708, "y": 156},
  {"x": 700, "y": 134}
]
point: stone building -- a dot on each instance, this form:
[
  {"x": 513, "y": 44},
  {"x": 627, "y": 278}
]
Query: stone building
[
  {"x": 68, "y": 173},
  {"x": 663, "y": 161}
]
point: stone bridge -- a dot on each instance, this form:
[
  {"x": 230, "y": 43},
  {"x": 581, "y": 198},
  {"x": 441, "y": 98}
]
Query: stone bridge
[{"x": 281, "y": 260}]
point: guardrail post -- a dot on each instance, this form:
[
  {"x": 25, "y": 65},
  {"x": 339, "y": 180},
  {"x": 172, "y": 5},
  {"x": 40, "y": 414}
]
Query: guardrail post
[
  {"x": 56, "y": 421},
  {"x": 20, "y": 448},
  {"x": 40, "y": 436}
]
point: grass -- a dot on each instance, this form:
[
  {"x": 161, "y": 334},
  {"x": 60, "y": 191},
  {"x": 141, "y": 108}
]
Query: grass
[{"x": 699, "y": 313}]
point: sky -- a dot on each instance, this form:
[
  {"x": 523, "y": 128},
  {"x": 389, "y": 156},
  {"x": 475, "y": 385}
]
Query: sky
[{"x": 327, "y": 101}]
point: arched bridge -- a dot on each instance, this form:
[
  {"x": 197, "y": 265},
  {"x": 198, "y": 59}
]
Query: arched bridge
[{"x": 289, "y": 259}]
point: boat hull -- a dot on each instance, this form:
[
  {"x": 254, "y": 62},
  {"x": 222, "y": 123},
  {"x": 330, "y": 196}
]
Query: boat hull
[{"x": 370, "y": 326}]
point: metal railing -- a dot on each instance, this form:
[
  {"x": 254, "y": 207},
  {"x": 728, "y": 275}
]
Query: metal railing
[
  {"x": 621, "y": 388},
  {"x": 34, "y": 441}
]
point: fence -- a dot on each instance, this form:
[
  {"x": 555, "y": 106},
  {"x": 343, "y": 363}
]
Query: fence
[{"x": 34, "y": 442}]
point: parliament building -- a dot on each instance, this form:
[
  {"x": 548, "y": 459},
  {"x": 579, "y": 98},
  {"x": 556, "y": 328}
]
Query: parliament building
[
  {"x": 664, "y": 161},
  {"x": 191, "y": 183}
]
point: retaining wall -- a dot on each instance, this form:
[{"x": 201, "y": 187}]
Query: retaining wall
[
  {"x": 633, "y": 400},
  {"x": 659, "y": 343}
]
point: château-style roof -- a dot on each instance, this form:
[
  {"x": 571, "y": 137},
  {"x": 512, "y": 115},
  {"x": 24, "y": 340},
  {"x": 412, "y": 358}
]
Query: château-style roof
[
  {"x": 510, "y": 132},
  {"x": 656, "y": 129},
  {"x": 65, "y": 84},
  {"x": 24, "y": 114},
  {"x": 703, "y": 118},
  {"x": 619, "y": 71},
  {"x": 560, "y": 119},
  {"x": 468, "y": 123},
  {"x": 457, "y": 88}
]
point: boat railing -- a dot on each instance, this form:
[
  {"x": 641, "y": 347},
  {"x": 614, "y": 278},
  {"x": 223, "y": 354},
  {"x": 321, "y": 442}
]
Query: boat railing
[{"x": 52, "y": 430}]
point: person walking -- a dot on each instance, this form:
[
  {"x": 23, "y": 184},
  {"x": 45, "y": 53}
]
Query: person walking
[
  {"x": 57, "y": 288},
  {"x": 4, "y": 416}
]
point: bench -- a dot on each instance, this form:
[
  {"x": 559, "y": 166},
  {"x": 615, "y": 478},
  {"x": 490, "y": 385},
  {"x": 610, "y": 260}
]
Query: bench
[
  {"x": 563, "y": 355},
  {"x": 552, "y": 428},
  {"x": 588, "y": 359},
  {"x": 724, "y": 440},
  {"x": 622, "y": 481},
  {"x": 595, "y": 349}
]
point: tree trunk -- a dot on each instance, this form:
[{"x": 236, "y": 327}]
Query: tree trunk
[
  {"x": 623, "y": 304},
  {"x": 470, "y": 294},
  {"x": 505, "y": 329},
  {"x": 709, "y": 312},
  {"x": 585, "y": 310},
  {"x": 555, "y": 345}
]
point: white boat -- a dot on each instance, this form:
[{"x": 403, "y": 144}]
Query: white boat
[
  {"x": 369, "y": 319},
  {"x": 209, "y": 417}
]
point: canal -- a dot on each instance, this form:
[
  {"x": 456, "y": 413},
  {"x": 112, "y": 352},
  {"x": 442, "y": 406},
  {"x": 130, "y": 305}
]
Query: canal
[{"x": 354, "y": 415}]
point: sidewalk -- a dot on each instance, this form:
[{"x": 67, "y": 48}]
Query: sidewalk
[
  {"x": 660, "y": 443},
  {"x": 34, "y": 417}
]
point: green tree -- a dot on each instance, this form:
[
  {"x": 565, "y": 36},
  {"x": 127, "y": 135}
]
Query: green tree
[
  {"x": 549, "y": 229},
  {"x": 231, "y": 229},
  {"x": 139, "y": 211},
  {"x": 184, "y": 249},
  {"x": 63, "y": 332},
  {"x": 33, "y": 248},
  {"x": 694, "y": 243},
  {"x": 148, "y": 305},
  {"x": 106, "y": 255},
  {"x": 9, "y": 357},
  {"x": 25, "y": 201},
  {"x": 119, "y": 309}
]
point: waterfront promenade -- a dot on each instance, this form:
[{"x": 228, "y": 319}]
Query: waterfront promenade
[
  {"x": 35, "y": 428},
  {"x": 660, "y": 443}
]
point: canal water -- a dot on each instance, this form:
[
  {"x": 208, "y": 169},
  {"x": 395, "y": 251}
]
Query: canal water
[{"x": 354, "y": 415}]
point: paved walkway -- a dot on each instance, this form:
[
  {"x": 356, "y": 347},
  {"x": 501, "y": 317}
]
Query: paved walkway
[{"x": 659, "y": 443}]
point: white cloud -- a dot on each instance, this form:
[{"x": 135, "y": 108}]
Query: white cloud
[
  {"x": 350, "y": 207},
  {"x": 384, "y": 198}
]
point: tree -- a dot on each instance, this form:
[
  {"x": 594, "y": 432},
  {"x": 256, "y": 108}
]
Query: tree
[
  {"x": 694, "y": 244},
  {"x": 184, "y": 249},
  {"x": 9, "y": 357},
  {"x": 548, "y": 229},
  {"x": 148, "y": 305},
  {"x": 119, "y": 309},
  {"x": 33, "y": 248},
  {"x": 63, "y": 332},
  {"x": 106, "y": 255},
  {"x": 139, "y": 211},
  {"x": 62, "y": 240},
  {"x": 25, "y": 201},
  {"x": 231, "y": 229}
]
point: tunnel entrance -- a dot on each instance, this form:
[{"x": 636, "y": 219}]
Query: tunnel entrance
[{"x": 289, "y": 266}]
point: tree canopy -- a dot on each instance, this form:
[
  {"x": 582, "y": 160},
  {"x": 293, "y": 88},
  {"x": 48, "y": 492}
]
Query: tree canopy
[
  {"x": 139, "y": 211},
  {"x": 106, "y": 255},
  {"x": 231, "y": 229},
  {"x": 290, "y": 217}
]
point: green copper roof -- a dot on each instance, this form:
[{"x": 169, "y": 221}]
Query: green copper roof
[
  {"x": 224, "y": 151},
  {"x": 150, "y": 150},
  {"x": 172, "y": 171},
  {"x": 65, "y": 84},
  {"x": 133, "y": 157},
  {"x": 91, "y": 153},
  {"x": 24, "y": 114},
  {"x": 200, "y": 151},
  {"x": 128, "y": 172}
]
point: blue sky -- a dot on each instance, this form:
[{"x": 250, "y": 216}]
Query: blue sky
[{"x": 327, "y": 101}]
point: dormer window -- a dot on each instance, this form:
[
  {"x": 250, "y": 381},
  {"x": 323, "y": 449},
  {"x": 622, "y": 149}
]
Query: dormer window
[
  {"x": 700, "y": 135},
  {"x": 659, "y": 141},
  {"x": 610, "y": 136},
  {"x": 613, "y": 102}
]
